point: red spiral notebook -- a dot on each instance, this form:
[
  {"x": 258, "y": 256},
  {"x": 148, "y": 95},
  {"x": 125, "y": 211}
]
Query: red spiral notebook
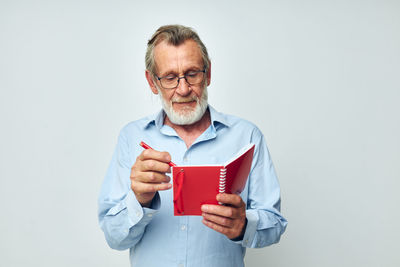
[{"x": 194, "y": 186}]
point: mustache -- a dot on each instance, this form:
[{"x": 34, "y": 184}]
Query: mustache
[{"x": 184, "y": 99}]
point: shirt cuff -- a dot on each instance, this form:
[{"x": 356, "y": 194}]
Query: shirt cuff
[
  {"x": 137, "y": 213},
  {"x": 251, "y": 228}
]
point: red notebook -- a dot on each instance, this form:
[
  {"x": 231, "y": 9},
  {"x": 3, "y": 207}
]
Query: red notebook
[{"x": 198, "y": 185}]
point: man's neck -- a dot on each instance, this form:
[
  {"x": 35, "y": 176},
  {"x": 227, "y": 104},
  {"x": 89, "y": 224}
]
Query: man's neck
[{"x": 189, "y": 133}]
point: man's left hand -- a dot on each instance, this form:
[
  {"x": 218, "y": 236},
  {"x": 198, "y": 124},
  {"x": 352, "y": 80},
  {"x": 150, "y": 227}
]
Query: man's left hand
[{"x": 229, "y": 219}]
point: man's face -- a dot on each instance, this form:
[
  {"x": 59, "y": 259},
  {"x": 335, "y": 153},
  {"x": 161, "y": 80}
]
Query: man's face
[{"x": 185, "y": 104}]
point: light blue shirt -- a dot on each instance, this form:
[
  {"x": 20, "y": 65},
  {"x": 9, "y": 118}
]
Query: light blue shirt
[{"x": 154, "y": 235}]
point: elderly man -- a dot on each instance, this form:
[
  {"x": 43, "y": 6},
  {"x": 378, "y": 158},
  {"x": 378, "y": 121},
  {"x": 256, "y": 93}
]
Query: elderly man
[{"x": 136, "y": 200}]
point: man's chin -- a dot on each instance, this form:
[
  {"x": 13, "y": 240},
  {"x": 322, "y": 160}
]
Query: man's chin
[{"x": 184, "y": 117}]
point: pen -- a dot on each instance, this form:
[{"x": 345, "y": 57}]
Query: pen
[{"x": 146, "y": 146}]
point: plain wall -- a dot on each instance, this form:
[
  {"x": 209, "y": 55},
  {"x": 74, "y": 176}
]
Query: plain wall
[{"x": 319, "y": 78}]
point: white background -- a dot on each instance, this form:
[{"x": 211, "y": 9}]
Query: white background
[{"x": 320, "y": 79}]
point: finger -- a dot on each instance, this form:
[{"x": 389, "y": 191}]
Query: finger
[
  {"x": 225, "y": 211},
  {"x": 219, "y": 228},
  {"x": 155, "y": 165},
  {"x": 230, "y": 199},
  {"x": 152, "y": 177},
  {"x": 155, "y": 155},
  {"x": 143, "y": 188},
  {"x": 223, "y": 221}
]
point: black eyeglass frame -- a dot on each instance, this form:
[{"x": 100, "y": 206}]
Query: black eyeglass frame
[{"x": 182, "y": 77}]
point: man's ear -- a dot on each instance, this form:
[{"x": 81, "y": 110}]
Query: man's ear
[
  {"x": 209, "y": 73},
  {"x": 149, "y": 78}
]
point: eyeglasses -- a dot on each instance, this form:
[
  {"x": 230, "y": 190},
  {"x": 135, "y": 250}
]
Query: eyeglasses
[{"x": 171, "y": 81}]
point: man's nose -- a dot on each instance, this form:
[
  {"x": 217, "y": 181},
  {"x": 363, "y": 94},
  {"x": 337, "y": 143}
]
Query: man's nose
[{"x": 183, "y": 88}]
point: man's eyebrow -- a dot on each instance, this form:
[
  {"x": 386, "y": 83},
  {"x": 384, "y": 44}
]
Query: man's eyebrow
[
  {"x": 193, "y": 69},
  {"x": 169, "y": 72},
  {"x": 172, "y": 72}
]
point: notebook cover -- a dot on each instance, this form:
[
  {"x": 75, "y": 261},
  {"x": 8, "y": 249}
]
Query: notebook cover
[
  {"x": 237, "y": 172},
  {"x": 200, "y": 186}
]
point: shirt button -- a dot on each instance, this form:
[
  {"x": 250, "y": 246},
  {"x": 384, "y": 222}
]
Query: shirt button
[
  {"x": 181, "y": 265},
  {"x": 183, "y": 227},
  {"x": 150, "y": 215}
]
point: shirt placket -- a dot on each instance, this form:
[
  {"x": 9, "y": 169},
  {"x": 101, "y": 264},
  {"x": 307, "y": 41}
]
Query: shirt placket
[
  {"x": 183, "y": 240},
  {"x": 183, "y": 226}
]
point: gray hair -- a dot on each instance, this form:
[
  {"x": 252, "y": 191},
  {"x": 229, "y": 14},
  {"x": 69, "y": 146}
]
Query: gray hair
[{"x": 174, "y": 35}]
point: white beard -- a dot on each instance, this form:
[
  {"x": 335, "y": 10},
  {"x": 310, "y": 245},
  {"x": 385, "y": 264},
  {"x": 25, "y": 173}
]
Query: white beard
[{"x": 187, "y": 116}]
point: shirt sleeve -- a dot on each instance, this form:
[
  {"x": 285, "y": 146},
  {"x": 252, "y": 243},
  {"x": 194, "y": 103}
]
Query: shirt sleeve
[
  {"x": 121, "y": 217},
  {"x": 265, "y": 224}
]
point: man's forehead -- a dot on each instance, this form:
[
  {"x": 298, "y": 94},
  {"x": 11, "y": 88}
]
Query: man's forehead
[
  {"x": 187, "y": 52},
  {"x": 187, "y": 47}
]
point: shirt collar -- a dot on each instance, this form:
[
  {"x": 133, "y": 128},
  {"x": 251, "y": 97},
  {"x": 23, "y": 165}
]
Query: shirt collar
[
  {"x": 217, "y": 117},
  {"x": 158, "y": 119}
]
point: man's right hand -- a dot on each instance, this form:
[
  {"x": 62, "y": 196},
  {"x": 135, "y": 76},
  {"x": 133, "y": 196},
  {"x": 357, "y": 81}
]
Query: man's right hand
[{"x": 148, "y": 175}]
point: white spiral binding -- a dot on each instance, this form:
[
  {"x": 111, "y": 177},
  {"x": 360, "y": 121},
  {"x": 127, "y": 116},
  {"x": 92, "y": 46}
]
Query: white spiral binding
[{"x": 222, "y": 181}]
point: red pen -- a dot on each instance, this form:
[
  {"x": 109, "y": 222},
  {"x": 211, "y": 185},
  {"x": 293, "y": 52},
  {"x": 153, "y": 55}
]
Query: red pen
[{"x": 146, "y": 146}]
